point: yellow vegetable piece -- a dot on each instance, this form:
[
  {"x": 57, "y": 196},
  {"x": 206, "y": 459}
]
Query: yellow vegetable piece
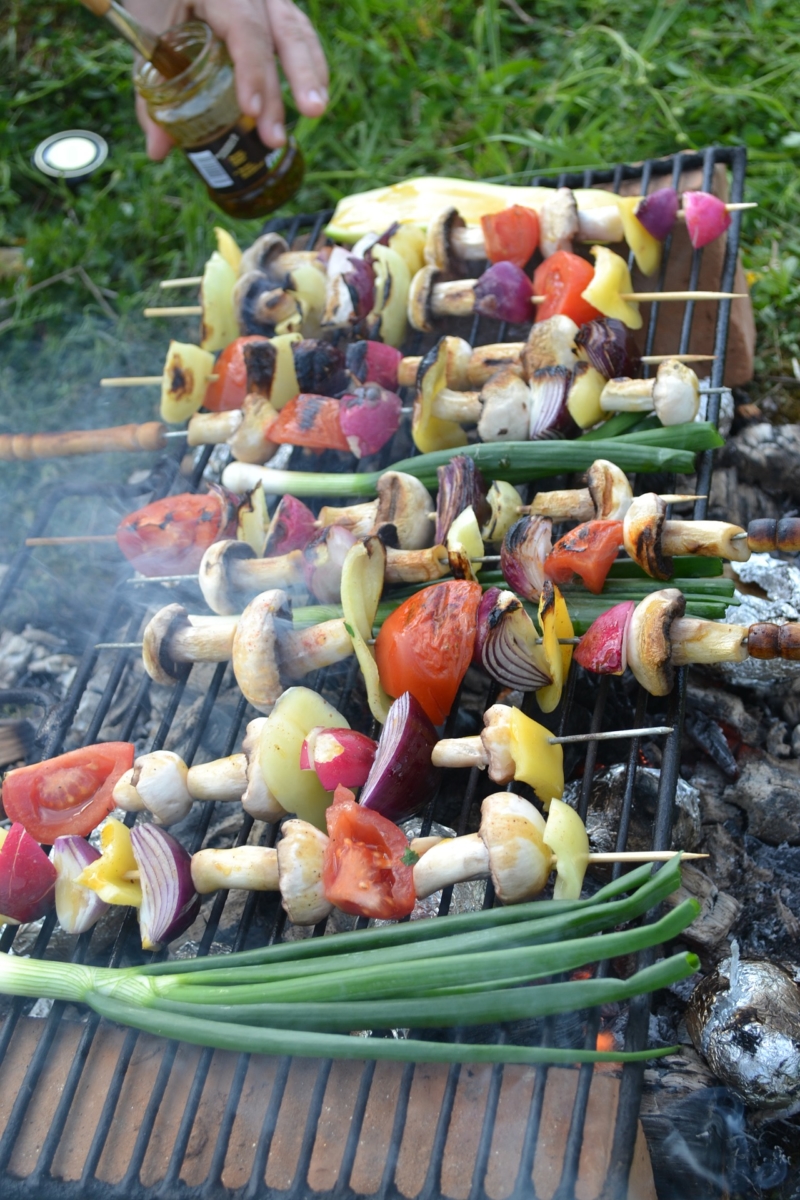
[
  {"x": 409, "y": 243},
  {"x": 363, "y": 573},
  {"x": 296, "y": 713},
  {"x": 504, "y": 501},
  {"x": 536, "y": 761},
  {"x": 429, "y": 432},
  {"x": 555, "y": 623},
  {"x": 252, "y": 521},
  {"x": 228, "y": 248},
  {"x": 465, "y": 535},
  {"x": 284, "y": 385},
  {"x": 392, "y": 280},
  {"x": 307, "y": 284},
  {"x": 583, "y": 401},
  {"x": 106, "y": 875},
  {"x": 184, "y": 383},
  {"x": 612, "y": 277},
  {"x": 646, "y": 248},
  {"x": 220, "y": 326},
  {"x": 566, "y": 836}
]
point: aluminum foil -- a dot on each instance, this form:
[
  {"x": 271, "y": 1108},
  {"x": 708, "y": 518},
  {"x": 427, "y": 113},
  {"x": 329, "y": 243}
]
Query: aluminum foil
[
  {"x": 605, "y": 807},
  {"x": 780, "y": 579},
  {"x": 745, "y": 1020},
  {"x": 726, "y": 407}
]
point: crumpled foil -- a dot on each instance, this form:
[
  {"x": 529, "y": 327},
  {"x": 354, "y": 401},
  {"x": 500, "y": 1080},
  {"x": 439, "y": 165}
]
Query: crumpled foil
[
  {"x": 605, "y": 807},
  {"x": 780, "y": 579},
  {"x": 744, "y": 1019},
  {"x": 726, "y": 407}
]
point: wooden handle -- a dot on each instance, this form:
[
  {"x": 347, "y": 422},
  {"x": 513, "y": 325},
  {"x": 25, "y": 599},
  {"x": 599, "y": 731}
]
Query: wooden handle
[
  {"x": 98, "y": 7},
  {"x": 15, "y": 447}
]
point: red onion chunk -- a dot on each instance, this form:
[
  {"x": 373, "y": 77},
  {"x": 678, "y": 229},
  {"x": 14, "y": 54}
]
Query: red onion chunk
[
  {"x": 324, "y": 559},
  {"x": 169, "y": 901},
  {"x": 505, "y": 642},
  {"x": 504, "y": 291},
  {"x": 78, "y": 908},
  {"x": 603, "y": 648},
  {"x": 522, "y": 554},
  {"x": 550, "y": 417},
  {"x": 369, "y": 417},
  {"x": 461, "y": 485},
  {"x": 339, "y": 757},
  {"x": 374, "y": 362},
  {"x": 359, "y": 276},
  {"x": 292, "y": 527},
  {"x": 706, "y": 217},
  {"x": 27, "y": 877},
  {"x": 609, "y": 347},
  {"x": 402, "y": 778},
  {"x": 657, "y": 212}
]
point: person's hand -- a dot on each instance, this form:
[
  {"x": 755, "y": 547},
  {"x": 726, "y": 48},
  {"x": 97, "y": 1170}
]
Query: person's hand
[{"x": 255, "y": 31}]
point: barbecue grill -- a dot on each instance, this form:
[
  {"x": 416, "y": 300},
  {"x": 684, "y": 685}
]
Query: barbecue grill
[{"x": 92, "y": 1111}]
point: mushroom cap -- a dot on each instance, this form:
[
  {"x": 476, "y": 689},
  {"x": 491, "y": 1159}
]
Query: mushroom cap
[
  {"x": 219, "y": 591},
  {"x": 257, "y": 799},
  {"x": 551, "y": 343},
  {"x": 420, "y": 314},
  {"x": 156, "y": 657},
  {"x": 439, "y": 251},
  {"x": 260, "y": 306},
  {"x": 263, "y": 250},
  {"x": 512, "y": 831},
  {"x": 506, "y": 412},
  {"x": 676, "y": 393},
  {"x": 125, "y": 795},
  {"x": 405, "y": 502},
  {"x": 300, "y": 855},
  {"x": 160, "y": 780},
  {"x": 496, "y": 738},
  {"x": 649, "y": 645},
  {"x": 558, "y": 222},
  {"x": 610, "y": 490},
  {"x": 255, "y": 660},
  {"x": 642, "y": 527}
]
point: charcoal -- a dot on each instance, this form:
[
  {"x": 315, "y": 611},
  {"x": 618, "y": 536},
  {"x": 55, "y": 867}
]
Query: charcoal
[
  {"x": 718, "y": 910},
  {"x": 605, "y": 806},
  {"x": 767, "y": 455},
  {"x": 708, "y": 736},
  {"x": 728, "y": 709},
  {"x": 769, "y": 794},
  {"x": 732, "y": 499}
]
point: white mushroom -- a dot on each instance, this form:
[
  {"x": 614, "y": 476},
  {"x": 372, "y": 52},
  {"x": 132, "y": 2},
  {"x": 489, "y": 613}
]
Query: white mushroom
[{"x": 300, "y": 856}]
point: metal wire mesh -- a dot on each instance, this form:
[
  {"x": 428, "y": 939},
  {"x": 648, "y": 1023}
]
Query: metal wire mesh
[{"x": 68, "y": 1161}]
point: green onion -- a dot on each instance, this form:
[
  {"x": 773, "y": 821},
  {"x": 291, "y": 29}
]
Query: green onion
[{"x": 683, "y": 566}]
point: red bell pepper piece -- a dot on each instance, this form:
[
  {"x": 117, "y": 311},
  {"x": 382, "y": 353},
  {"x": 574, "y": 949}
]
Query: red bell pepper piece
[
  {"x": 560, "y": 279},
  {"x": 311, "y": 421},
  {"x": 229, "y": 389},
  {"x": 363, "y": 872},
  {"x": 425, "y": 646},
  {"x": 587, "y": 551},
  {"x": 67, "y": 794},
  {"x": 170, "y": 536},
  {"x": 511, "y": 235},
  {"x": 27, "y": 877}
]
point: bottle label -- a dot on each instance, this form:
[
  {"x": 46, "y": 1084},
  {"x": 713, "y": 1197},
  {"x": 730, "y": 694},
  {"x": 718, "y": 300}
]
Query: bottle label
[{"x": 236, "y": 159}]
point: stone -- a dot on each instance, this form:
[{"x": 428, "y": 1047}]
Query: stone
[
  {"x": 728, "y": 708},
  {"x": 718, "y": 910},
  {"x": 769, "y": 794},
  {"x": 767, "y": 455}
]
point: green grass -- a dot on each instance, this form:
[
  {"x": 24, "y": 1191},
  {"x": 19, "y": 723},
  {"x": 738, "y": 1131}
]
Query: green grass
[{"x": 425, "y": 87}]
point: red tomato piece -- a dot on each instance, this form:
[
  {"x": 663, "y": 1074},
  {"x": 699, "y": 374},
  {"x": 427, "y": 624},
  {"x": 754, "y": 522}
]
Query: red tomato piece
[
  {"x": 560, "y": 279},
  {"x": 67, "y": 794},
  {"x": 229, "y": 389},
  {"x": 170, "y": 536},
  {"x": 311, "y": 421},
  {"x": 426, "y": 645},
  {"x": 511, "y": 235},
  {"x": 588, "y": 551},
  {"x": 363, "y": 872},
  {"x": 27, "y": 877}
]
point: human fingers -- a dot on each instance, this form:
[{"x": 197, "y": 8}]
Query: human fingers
[
  {"x": 158, "y": 142},
  {"x": 300, "y": 54}
]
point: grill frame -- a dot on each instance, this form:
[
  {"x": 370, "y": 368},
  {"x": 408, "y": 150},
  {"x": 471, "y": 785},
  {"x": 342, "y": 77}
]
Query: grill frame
[{"x": 52, "y": 734}]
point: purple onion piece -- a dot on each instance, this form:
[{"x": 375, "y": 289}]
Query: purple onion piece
[
  {"x": 550, "y": 417},
  {"x": 369, "y": 417},
  {"x": 359, "y": 276},
  {"x": 169, "y": 901},
  {"x": 461, "y": 484},
  {"x": 402, "y": 778},
  {"x": 292, "y": 527},
  {"x": 522, "y": 554},
  {"x": 374, "y": 362},
  {"x": 609, "y": 347},
  {"x": 388, "y": 234},
  {"x": 78, "y": 908},
  {"x": 505, "y": 645},
  {"x": 324, "y": 559},
  {"x": 504, "y": 292},
  {"x": 657, "y": 212}
]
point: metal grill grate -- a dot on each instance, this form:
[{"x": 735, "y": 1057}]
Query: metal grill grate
[{"x": 61, "y": 1141}]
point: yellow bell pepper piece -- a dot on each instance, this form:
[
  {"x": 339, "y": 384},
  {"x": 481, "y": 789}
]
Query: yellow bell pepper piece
[
  {"x": 409, "y": 243},
  {"x": 228, "y": 248},
  {"x": 611, "y": 278},
  {"x": 555, "y": 623},
  {"x": 566, "y": 836},
  {"x": 106, "y": 875},
  {"x": 429, "y": 432},
  {"x": 363, "y": 573},
  {"x": 646, "y": 248},
  {"x": 220, "y": 325},
  {"x": 536, "y": 761},
  {"x": 583, "y": 401},
  {"x": 184, "y": 382}
]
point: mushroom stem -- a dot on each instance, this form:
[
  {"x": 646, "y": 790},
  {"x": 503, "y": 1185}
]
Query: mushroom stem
[
  {"x": 464, "y": 407},
  {"x": 628, "y": 395},
  {"x": 416, "y": 566},
  {"x": 204, "y": 639},
  {"x": 224, "y": 779},
  {"x": 460, "y": 752},
  {"x": 304, "y": 650},
  {"x": 711, "y": 538},
  {"x": 259, "y": 574},
  {"x": 696, "y": 641},
  {"x": 254, "y": 868},
  {"x": 358, "y": 518},
  {"x": 213, "y": 428},
  {"x": 468, "y": 242},
  {"x": 563, "y": 505},
  {"x": 454, "y": 298},
  {"x": 453, "y": 860}
]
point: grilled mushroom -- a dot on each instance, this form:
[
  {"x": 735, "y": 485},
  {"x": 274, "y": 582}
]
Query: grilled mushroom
[
  {"x": 642, "y": 528},
  {"x": 173, "y": 637},
  {"x": 231, "y": 574},
  {"x": 442, "y": 250},
  {"x": 558, "y": 222},
  {"x": 300, "y": 855},
  {"x": 506, "y": 411},
  {"x": 263, "y": 308},
  {"x": 649, "y": 642}
]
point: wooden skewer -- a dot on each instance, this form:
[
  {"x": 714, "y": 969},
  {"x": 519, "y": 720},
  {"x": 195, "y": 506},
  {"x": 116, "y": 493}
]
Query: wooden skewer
[
  {"x": 611, "y": 734},
  {"x": 186, "y": 281},
  {"x": 189, "y": 310},
  {"x": 139, "y": 380},
  {"x": 642, "y": 856},
  {"x": 67, "y": 541},
  {"x": 684, "y": 358}
]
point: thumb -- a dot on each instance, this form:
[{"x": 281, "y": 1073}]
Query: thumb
[{"x": 157, "y": 141}]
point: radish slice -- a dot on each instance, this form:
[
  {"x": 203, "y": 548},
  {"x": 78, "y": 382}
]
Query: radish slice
[
  {"x": 339, "y": 756},
  {"x": 603, "y": 648},
  {"x": 369, "y": 417},
  {"x": 706, "y": 217}
]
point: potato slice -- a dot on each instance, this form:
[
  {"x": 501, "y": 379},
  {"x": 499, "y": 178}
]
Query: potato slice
[
  {"x": 219, "y": 324},
  {"x": 362, "y": 584},
  {"x": 184, "y": 383}
]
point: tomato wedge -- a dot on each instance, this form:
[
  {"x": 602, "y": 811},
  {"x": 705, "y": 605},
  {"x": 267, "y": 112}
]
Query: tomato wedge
[
  {"x": 67, "y": 794},
  {"x": 363, "y": 872},
  {"x": 560, "y": 279},
  {"x": 426, "y": 645},
  {"x": 587, "y": 551},
  {"x": 311, "y": 421},
  {"x": 229, "y": 389},
  {"x": 511, "y": 235},
  {"x": 170, "y": 536}
]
